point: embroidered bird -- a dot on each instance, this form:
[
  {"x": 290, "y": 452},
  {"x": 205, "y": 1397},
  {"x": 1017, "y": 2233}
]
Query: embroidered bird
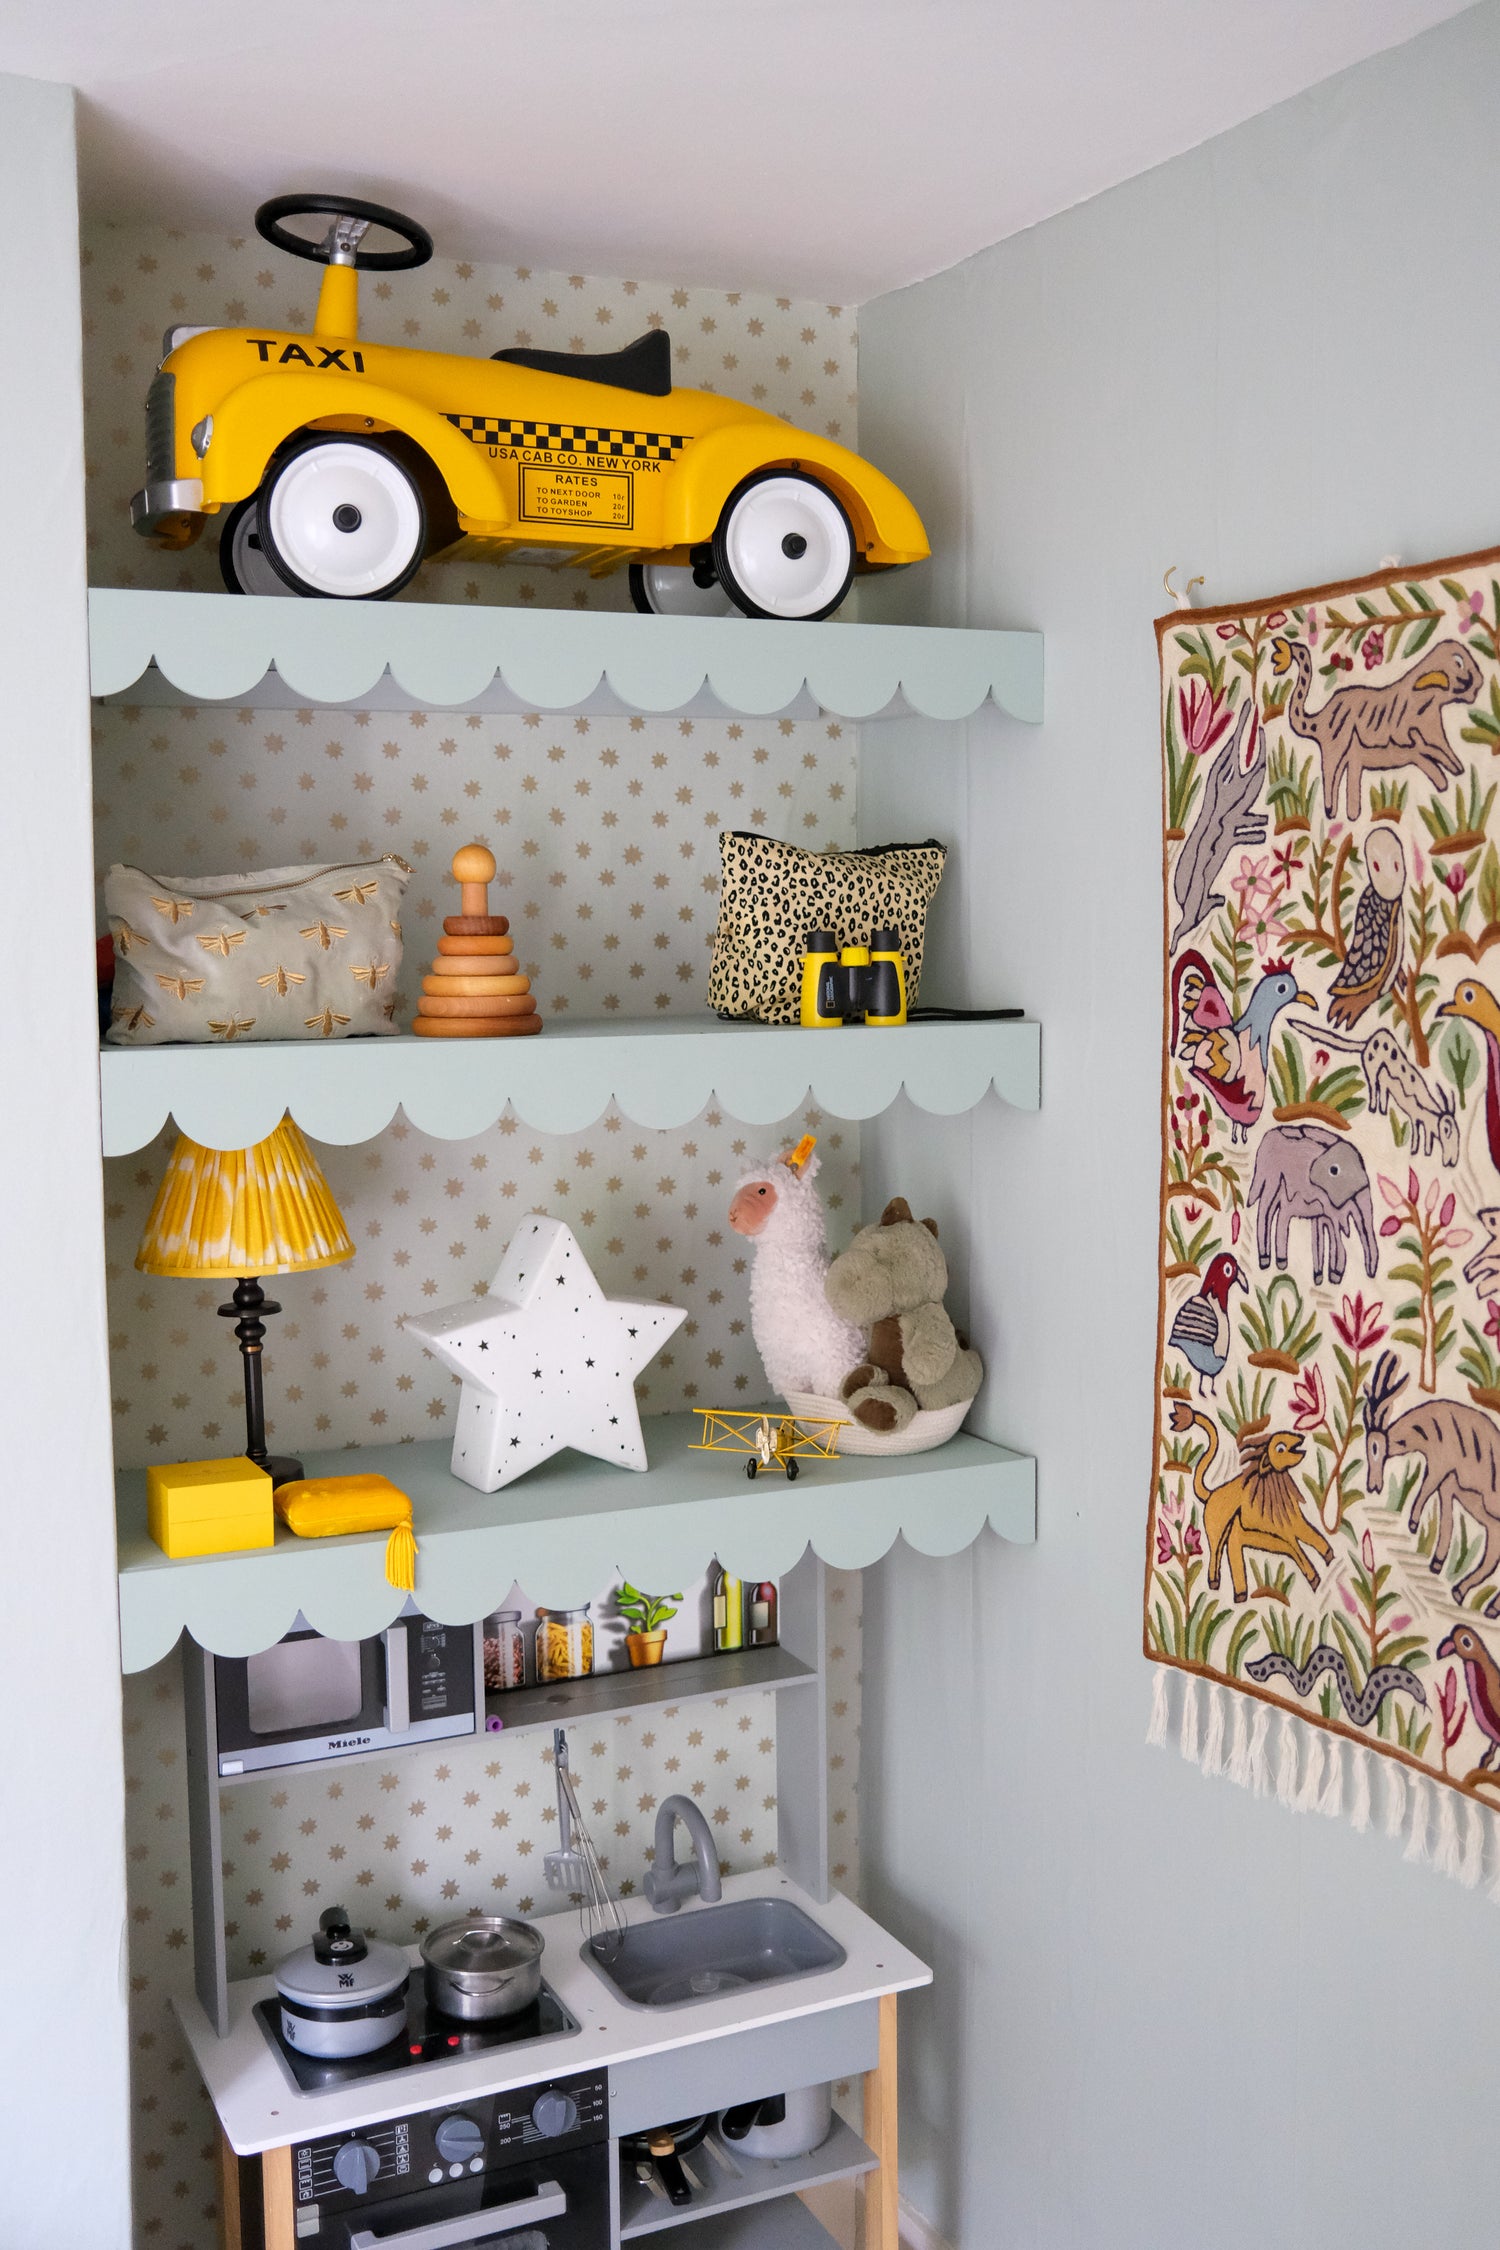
[
  {"x": 1200, "y": 1330},
  {"x": 1482, "y": 1679},
  {"x": 1230, "y": 1055},
  {"x": 1478, "y": 1005},
  {"x": 1373, "y": 961}
]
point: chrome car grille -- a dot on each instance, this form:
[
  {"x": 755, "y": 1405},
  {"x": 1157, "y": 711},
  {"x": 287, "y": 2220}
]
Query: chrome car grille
[{"x": 161, "y": 429}]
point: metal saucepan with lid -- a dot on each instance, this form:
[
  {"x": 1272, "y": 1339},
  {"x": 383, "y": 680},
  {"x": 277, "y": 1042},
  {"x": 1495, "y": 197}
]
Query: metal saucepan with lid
[
  {"x": 483, "y": 1966},
  {"x": 345, "y": 1994}
]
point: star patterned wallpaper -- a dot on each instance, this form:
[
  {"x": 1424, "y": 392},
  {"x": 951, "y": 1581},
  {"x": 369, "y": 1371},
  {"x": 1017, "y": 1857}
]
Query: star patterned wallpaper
[
  {"x": 783, "y": 354},
  {"x": 606, "y": 835}
]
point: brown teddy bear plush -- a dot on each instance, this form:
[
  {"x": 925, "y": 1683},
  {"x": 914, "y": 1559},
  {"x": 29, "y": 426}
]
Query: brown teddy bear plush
[{"x": 890, "y": 1282}]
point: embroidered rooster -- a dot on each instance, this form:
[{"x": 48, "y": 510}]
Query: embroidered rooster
[
  {"x": 1230, "y": 1055},
  {"x": 1200, "y": 1330}
]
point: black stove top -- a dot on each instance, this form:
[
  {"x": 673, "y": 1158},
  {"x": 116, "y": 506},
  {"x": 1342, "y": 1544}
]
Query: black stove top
[{"x": 428, "y": 2039}]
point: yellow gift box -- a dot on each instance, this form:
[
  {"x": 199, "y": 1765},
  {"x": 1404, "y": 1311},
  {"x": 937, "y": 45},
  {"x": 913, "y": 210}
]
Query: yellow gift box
[{"x": 209, "y": 1507}]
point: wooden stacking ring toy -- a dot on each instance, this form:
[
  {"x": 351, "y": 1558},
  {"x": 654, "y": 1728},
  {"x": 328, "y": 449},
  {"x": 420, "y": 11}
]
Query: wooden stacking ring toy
[{"x": 475, "y": 989}]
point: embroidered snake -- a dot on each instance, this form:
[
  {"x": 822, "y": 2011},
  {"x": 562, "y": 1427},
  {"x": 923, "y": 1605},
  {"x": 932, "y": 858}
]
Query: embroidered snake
[{"x": 1383, "y": 1681}]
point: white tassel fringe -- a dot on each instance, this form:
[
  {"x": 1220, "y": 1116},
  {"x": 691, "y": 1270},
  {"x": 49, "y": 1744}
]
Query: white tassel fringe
[
  {"x": 1318, "y": 1771},
  {"x": 1359, "y": 1808}
]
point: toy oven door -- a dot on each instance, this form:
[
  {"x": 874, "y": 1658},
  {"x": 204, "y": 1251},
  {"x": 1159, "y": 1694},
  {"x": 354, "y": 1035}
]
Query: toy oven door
[{"x": 558, "y": 2202}]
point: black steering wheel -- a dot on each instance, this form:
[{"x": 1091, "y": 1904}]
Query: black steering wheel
[{"x": 270, "y": 215}]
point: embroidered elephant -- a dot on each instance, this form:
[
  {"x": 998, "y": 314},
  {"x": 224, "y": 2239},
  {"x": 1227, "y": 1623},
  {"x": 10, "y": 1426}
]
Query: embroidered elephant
[{"x": 1309, "y": 1172}]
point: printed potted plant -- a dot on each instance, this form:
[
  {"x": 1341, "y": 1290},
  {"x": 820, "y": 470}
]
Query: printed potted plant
[{"x": 646, "y": 1615}]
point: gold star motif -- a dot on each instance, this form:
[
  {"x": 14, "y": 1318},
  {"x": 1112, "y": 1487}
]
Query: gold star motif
[
  {"x": 357, "y": 893},
  {"x": 373, "y": 973},
  {"x": 181, "y": 988},
  {"x": 230, "y": 1027},
  {"x": 325, "y": 933},
  {"x": 222, "y": 942},
  {"x": 281, "y": 980},
  {"x": 126, "y": 937},
  {"x": 326, "y": 1023},
  {"x": 176, "y": 909}
]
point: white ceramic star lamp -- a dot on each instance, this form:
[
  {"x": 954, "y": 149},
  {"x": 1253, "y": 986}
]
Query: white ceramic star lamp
[{"x": 546, "y": 1361}]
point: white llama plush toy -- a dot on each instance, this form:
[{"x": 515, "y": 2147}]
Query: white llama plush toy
[{"x": 803, "y": 1343}]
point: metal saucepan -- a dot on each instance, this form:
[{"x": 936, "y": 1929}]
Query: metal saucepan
[
  {"x": 660, "y": 2151},
  {"x": 483, "y": 1966}
]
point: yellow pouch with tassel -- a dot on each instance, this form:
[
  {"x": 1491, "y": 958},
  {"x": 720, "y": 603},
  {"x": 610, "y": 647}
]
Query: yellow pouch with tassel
[{"x": 326, "y": 1507}]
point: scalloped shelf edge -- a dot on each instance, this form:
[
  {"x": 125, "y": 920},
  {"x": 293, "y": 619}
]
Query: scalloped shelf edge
[
  {"x": 668, "y": 1523},
  {"x": 660, "y": 1072},
  {"x": 152, "y": 647}
]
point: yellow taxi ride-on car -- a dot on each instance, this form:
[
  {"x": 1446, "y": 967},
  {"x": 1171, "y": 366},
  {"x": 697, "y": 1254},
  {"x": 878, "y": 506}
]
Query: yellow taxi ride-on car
[{"x": 334, "y": 465}]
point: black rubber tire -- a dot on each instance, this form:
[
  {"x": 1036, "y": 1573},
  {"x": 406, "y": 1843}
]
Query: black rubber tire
[
  {"x": 270, "y": 215},
  {"x": 793, "y": 1470},
  {"x": 268, "y": 545},
  {"x": 752, "y": 1467},
  {"x": 725, "y": 575},
  {"x": 227, "y": 571}
]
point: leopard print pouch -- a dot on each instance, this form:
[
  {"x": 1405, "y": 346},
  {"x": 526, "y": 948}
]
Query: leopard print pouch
[{"x": 771, "y": 894}]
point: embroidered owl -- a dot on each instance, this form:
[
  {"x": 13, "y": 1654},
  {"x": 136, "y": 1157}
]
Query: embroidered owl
[{"x": 1373, "y": 961}]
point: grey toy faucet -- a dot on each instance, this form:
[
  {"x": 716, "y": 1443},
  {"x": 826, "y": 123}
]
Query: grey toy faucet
[{"x": 667, "y": 1884}]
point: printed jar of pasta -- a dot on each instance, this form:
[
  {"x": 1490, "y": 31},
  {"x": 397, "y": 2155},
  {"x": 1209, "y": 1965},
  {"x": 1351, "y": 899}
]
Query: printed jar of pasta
[
  {"x": 564, "y": 1644},
  {"x": 504, "y": 1652}
]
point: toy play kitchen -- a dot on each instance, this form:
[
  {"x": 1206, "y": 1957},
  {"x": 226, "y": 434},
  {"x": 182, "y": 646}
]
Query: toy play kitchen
[{"x": 537, "y": 2080}]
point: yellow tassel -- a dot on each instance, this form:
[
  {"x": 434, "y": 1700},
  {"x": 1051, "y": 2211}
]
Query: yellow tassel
[
  {"x": 800, "y": 1154},
  {"x": 401, "y": 1559}
]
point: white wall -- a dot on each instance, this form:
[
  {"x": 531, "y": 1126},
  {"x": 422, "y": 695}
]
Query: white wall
[
  {"x": 64, "y": 2173},
  {"x": 1167, "y": 2015}
]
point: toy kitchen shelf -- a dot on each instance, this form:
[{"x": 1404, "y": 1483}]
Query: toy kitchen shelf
[
  {"x": 157, "y": 648},
  {"x": 660, "y": 1070},
  {"x": 557, "y": 1530}
]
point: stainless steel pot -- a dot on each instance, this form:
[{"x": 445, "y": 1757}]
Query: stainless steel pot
[{"x": 485, "y": 1965}]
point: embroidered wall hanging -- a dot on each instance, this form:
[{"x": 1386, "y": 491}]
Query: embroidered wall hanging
[{"x": 1325, "y": 1508}]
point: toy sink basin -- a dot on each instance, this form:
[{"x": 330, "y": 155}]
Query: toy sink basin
[{"x": 684, "y": 1958}]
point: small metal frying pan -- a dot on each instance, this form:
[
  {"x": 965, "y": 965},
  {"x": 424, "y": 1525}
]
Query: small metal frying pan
[{"x": 659, "y": 2150}]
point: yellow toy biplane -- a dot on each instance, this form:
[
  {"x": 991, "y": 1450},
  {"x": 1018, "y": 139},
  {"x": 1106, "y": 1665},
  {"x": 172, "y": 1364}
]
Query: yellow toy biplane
[{"x": 772, "y": 1441}]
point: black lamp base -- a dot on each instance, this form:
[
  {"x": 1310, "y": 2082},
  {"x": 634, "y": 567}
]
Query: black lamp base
[
  {"x": 281, "y": 1468},
  {"x": 247, "y": 1309}
]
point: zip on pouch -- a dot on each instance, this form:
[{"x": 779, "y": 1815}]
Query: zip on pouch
[
  {"x": 772, "y": 894},
  {"x": 282, "y": 953}
]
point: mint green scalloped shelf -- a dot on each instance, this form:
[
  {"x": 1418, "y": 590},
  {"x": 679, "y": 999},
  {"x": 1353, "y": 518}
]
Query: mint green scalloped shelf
[
  {"x": 166, "y": 648},
  {"x": 558, "y": 1532},
  {"x": 661, "y": 1072}
]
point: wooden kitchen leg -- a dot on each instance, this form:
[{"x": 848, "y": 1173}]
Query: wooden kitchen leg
[
  {"x": 230, "y": 2235},
  {"x": 276, "y": 2189},
  {"x": 880, "y": 2224}
]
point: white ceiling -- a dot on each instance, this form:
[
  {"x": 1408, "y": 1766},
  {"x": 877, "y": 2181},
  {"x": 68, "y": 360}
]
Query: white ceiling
[{"x": 827, "y": 148}]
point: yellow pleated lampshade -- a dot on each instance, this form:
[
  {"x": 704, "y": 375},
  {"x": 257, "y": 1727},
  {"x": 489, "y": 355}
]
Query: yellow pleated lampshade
[{"x": 222, "y": 1213}]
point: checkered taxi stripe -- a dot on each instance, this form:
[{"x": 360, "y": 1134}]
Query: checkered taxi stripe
[{"x": 569, "y": 437}]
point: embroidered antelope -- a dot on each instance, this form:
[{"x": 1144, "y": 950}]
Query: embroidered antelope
[{"x": 1460, "y": 1446}]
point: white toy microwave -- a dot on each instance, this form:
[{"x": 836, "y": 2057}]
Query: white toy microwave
[{"x": 308, "y": 1697}]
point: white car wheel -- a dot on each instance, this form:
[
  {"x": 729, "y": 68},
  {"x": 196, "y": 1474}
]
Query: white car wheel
[
  {"x": 784, "y": 546},
  {"x": 341, "y": 517},
  {"x": 243, "y": 562},
  {"x": 670, "y": 590}
]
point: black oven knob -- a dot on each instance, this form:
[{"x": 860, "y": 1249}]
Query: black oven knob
[
  {"x": 355, "y": 2165},
  {"x": 459, "y": 2140},
  {"x": 553, "y": 2113}
]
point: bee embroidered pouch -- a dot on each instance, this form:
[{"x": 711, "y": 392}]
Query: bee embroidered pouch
[{"x": 286, "y": 953}]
